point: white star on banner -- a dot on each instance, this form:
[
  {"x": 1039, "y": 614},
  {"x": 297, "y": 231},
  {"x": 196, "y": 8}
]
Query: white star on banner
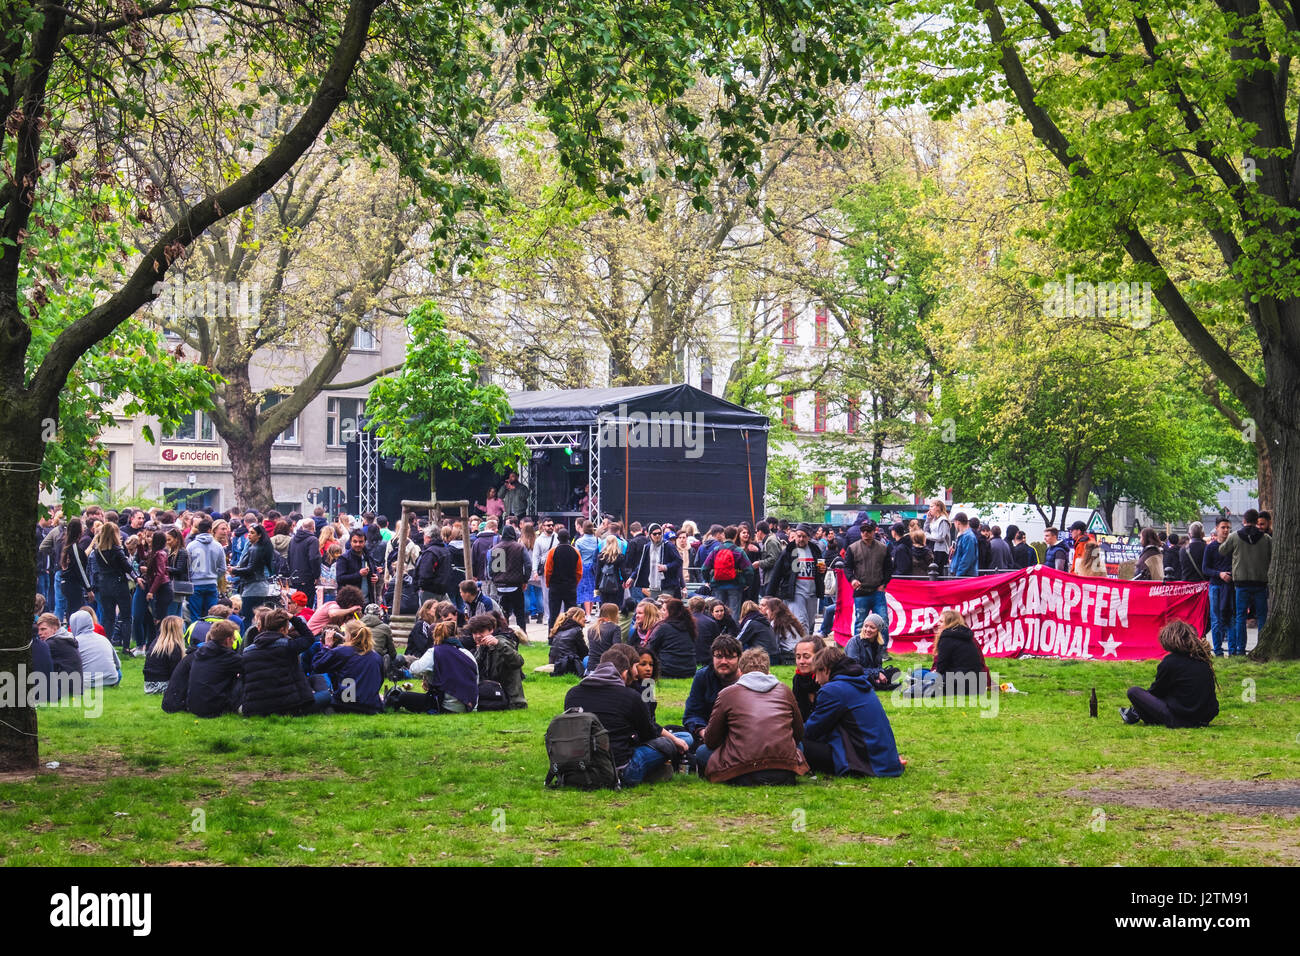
[
  {"x": 1109, "y": 645},
  {"x": 923, "y": 647}
]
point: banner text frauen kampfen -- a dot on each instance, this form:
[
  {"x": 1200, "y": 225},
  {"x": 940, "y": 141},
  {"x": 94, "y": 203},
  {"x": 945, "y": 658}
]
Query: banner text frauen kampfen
[{"x": 1044, "y": 612}]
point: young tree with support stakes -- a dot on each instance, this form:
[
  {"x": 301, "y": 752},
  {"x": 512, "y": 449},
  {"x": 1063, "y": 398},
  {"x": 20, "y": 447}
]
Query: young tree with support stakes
[{"x": 427, "y": 416}]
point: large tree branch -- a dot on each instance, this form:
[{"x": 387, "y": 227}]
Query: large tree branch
[
  {"x": 97, "y": 324},
  {"x": 342, "y": 386}
]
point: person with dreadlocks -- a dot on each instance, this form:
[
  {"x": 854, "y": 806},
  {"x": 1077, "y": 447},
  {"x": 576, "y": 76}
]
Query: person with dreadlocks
[{"x": 1183, "y": 694}]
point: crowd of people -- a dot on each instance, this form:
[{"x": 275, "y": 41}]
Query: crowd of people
[{"x": 241, "y": 612}]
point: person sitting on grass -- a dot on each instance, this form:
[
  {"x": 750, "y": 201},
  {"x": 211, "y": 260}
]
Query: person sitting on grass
[
  {"x": 804, "y": 685},
  {"x": 274, "y": 682},
  {"x": 100, "y": 665},
  {"x": 1183, "y": 694},
  {"x": 958, "y": 661},
  {"x": 752, "y": 738},
  {"x": 420, "y": 638},
  {"x": 450, "y": 676},
  {"x": 197, "y": 632},
  {"x": 164, "y": 654},
  {"x": 756, "y": 631},
  {"x": 347, "y": 603},
  {"x": 709, "y": 681},
  {"x": 65, "y": 657},
  {"x": 645, "y": 679},
  {"x": 706, "y": 629},
  {"x": 356, "y": 672},
  {"x": 498, "y": 657},
  {"x": 623, "y": 714},
  {"x": 848, "y": 733},
  {"x": 789, "y": 630},
  {"x": 602, "y": 635},
  {"x": 207, "y": 682},
  {"x": 568, "y": 647},
  {"x": 673, "y": 640}
]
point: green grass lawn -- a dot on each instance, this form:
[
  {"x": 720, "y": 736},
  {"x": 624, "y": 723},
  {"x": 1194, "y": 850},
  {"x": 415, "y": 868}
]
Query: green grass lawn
[{"x": 1039, "y": 784}]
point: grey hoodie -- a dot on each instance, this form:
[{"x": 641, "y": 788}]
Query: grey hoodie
[
  {"x": 758, "y": 681},
  {"x": 207, "y": 561}
]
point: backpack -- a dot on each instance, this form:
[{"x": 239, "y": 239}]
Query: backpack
[
  {"x": 577, "y": 745},
  {"x": 491, "y": 696},
  {"x": 724, "y": 564},
  {"x": 610, "y": 579}
]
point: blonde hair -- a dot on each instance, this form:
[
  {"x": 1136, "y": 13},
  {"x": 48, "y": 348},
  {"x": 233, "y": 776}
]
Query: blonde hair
[
  {"x": 107, "y": 538},
  {"x": 649, "y": 615},
  {"x": 575, "y": 614},
  {"x": 171, "y": 636},
  {"x": 359, "y": 636},
  {"x": 326, "y": 536},
  {"x": 611, "y": 551},
  {"x": 947, "y": 619}
]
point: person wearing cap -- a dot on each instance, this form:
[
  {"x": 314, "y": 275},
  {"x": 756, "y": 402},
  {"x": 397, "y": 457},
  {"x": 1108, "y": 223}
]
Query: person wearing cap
[
  {"x": 1079, "y": 535},
  {"x": 798, "y": 580},
  {"x": 660, "y": 568},
  {"x": 869, "y": 567}
]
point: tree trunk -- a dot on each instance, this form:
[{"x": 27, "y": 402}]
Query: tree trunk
[
  {"x": 1264, "y": 471},
  {"x": 1280, "y": 639},
  {"x": 435, "y": 513},
  {"x": 250, "y": 465},
  {"x": 21, "y": 451}
]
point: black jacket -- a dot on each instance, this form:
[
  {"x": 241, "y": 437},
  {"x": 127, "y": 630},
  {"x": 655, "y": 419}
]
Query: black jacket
[
  {"x": 213, "y": 687},
  {"x": 1190, "y": 559},
  {"x": 274, "y": 681},
  {"x": 706, "y": 629},
  {"x": 621, "y": 711},
  {"x": 435, "y": 571},
  {"x": 755, "y": 631},
  {"x": 1187, "y": 688},
  {"x": 159, "y": 667},
  {"x": 782, "y": 584},
  {"x": 610, "y": 581},
  {"x": 509, "y": 563},
  {"x": 901, "y": 555},
  {"x": 606, "y": 635},
  {"x": 568, "y": 648},
  {"x": 672, "y": 560},
  {"x": 304, "y": 561},
  {"x": 175, "y": 697},
  {"x": 348, "y": 569},
  {"x": 674, "y": 645},
  {"x": 805, "y": 688},
  {"x": 957, "y": 653},
  {"x": 65, "y": 655}
]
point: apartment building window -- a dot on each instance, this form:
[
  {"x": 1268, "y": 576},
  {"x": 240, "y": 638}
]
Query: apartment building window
[
  {"x": 365, "y": 340},
  {"x": 819, "y": 413},
  {"x": 194, "y": 427},
  {"x": 821, "y": 316},
  {"x": 787, "y": 411},
  {"x": 819, "y": 491},
  {"x": 706, "y": 375},
  {"x": 851, "y": 489},
  {"x": 787, "y": 324},
  {"x": 341, "y": 420},
  {"x": 855, "y": 416},
  {"x": 290, "y": 435}
]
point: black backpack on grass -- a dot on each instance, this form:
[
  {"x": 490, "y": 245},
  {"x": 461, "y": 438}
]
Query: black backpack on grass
[{"x": 578, "y": 747}]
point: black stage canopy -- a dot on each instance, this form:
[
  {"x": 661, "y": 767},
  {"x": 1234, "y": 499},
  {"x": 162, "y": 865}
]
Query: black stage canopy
[{"x": 647, "y": 453}]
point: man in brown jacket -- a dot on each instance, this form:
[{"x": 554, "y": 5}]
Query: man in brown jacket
[
  {"x": 752, "y": 737},
  {"x": 869, "y": 567}
]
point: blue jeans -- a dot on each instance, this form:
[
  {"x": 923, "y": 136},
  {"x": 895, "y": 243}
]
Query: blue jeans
[
  {"x": 60, "y": 607},
  {"x": 873, "y": 602},
  {"x": 644, "y": 759},
  {"x": 204, "y": 596},
  {"x": 533, "y": 600},
  {"x": 729, "y": 595},
  {"x": 702, "y": 755},
  {"x": 141, "y": 617},
  {"x": 1246, "y": 594},
  {"x": 115, "y": 615},
  {"x": 1219, "y": 623}
]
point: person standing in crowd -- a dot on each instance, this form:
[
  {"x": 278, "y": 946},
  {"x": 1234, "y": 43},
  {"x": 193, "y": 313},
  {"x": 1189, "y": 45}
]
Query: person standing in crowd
[
  {"x": 938, "y": 532},
  {"x": 771, "y": 547},
  {"x": 1000, "y": 557},
  {"x": 610, "y": 572},
  {"x": 304, "y": 559},
  {"x": 511, "y": 566},
  {"x": 1057, "y": 555},
  {"x": 869, "y": 567},
  {"x": 1172, "y": 559},
  {"x": 207, "y": 563},
  {"x": 354, "y": 568},
  {"x": 257, "y": 573},
  {"x": 178, "y": 571},
  {"x": 983, "y": 556},
  {"x": 156, "y": 584},
  {"x": 513, "y": 495},
  {"x": 1251, "y": 553},
  {"x": 1191, "y": 556},
  {"x": 563, "y": 570},
  {"x": 1217, "y": 569},
  {"x": 76, "y": 580},
  {"x": 1183, "y": 694},
  {"x": 658, "y": 571},
  {"x": 494, "y": 507},
  {"x": 1150, "y": 563},
  {"x": 588, "y": 547},
  {"x": 542, "y": 546},
  {"x": 112, "y": 573},
  {"x": 799, "y": 578},
  {"x": 632, "y": 553},
  {"x": 965, "y": 553},
  {"x": 1023, "y": 555}
]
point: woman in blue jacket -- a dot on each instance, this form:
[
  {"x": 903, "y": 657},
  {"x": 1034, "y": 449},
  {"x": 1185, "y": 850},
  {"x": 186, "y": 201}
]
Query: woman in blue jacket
[
  {"x": 356, "y": 671},
  {"x": 847, "y": 733}
]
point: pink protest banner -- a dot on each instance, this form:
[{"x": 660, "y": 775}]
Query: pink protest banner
[{"x": 1042, "y": 612}]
